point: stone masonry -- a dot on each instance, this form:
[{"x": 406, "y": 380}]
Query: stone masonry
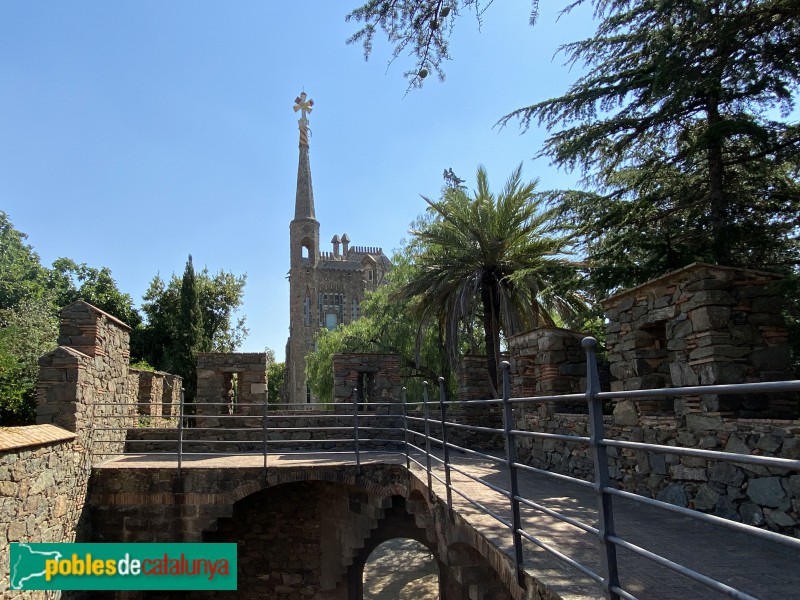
[
  {"x": 703, "y": 324},
  {"x": 231, "y": 383},
  {"x": 83, "y": 384},
  {"x": 43, "y": 483},
  {"x": 755, "y": 495},
  {"x": 83, "y": 388},
  {"x": 548, "y": 361},
  {"x": 157, "y": 395},
  {"x": 369, "y": 377}
]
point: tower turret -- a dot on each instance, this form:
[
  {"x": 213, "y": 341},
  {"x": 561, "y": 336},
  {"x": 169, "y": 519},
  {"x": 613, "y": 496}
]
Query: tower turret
[
  {"x": 303, "y": 257},
  {"x": 304, "y": 228}
]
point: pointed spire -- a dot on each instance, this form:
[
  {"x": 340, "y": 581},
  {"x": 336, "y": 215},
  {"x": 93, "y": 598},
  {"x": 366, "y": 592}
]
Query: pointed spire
[{"x": 304, "y": 200}]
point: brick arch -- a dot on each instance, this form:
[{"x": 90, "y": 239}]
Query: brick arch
[{"x": 397, "y": 524}]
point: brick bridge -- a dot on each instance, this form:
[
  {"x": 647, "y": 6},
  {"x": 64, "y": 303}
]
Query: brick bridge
[{"x": 305, "y": 526}]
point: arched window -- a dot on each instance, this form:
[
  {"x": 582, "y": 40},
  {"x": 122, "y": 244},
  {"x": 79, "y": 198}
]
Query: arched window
[{"x": 307, "y": 311}]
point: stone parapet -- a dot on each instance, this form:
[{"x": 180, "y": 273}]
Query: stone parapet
[
  {"x": 701, "y": 325},
  {"x": 751, "y": 494},
  {"x": 370, "y": 377},
  {"x": 548, "y": 361},
  {"x": 230, "y": 383},
  {"x": 43, "y": 482}
]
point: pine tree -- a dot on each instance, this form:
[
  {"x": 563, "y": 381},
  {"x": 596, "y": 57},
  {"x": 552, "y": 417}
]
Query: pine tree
[{"x": 678, "y": 114}]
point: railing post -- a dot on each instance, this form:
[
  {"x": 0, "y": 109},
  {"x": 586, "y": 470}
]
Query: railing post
[
  {"x": 265, "y": 426},
  {"x": 405, "y": 427},
  {"x": 180, "y": 432},
  {"x": 443, "y": 412},
  {"x": 427, "y": 437},
  {"x": 511, "y": 457},
  {"x": 601, "y": 478},
  {"x": 355, "y": 425}
]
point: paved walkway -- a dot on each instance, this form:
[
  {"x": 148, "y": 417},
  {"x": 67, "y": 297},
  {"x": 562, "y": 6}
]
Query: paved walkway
[
  {"x": 765, "y": 570},
  {"x": 768, "y": 571}
]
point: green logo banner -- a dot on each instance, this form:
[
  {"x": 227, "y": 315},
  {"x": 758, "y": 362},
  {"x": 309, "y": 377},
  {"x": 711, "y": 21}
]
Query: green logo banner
[{"x": 122, "y": 566}]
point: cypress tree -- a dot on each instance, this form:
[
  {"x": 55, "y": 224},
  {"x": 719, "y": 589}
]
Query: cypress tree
[{"x": 189, "y": 340}]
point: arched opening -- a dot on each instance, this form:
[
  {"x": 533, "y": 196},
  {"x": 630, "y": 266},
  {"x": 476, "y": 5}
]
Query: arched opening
[
  {"x": 306, "y": 244},
  {"x": 401, "y": 569},
  {"x": 400, "y": 532}
]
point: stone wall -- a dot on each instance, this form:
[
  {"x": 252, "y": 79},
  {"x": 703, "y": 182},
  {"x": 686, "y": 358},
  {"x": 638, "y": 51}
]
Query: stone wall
[
  {"x": 43, "y": 483},
  {"x": 158, "y": 397},
  {"x": 375, "y": 376},
  {"x": 752, "y": 494},
  {"x": 548, "y": 361},
  {"x": 84, "y": 388},
  {"x": 701, "y": 325},
  {"x": 83, "y": 384},
  {"x": 230, "y": 383},
  {"x": 472, "y": 378}
]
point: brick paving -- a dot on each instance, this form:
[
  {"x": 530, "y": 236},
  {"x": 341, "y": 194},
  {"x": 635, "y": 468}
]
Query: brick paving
[{"x": 763, "y": 569}]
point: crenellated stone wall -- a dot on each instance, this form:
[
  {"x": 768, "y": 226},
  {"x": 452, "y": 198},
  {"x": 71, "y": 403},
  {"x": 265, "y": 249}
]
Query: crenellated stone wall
[
  {"x": 83, "y": 389},
  {"x": 701, "y": 325},
  {"x": 86, "y": 401},
  {"x": 230, "y": 383},
  {"x": 157, "y": 395},
  {"x": 752, "y": 494},
  {"x": 372, "y": 377},
  {"x": 548, "y": 361},
  {"x": 83, "y": 384}
]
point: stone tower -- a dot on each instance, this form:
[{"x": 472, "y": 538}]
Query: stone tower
[{"x": 325, "y": 288}]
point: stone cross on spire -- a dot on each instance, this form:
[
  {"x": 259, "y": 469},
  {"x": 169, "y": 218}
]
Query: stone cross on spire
[{"x": 305, "y": 107}]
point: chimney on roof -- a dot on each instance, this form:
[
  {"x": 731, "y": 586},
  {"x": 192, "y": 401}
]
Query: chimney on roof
[
  {"x": 335, "y": 241},
  {"x": 345, "y": 243}
]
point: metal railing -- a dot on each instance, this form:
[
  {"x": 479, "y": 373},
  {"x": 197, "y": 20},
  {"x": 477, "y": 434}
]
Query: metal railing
[{"x": 406, "y": 432}]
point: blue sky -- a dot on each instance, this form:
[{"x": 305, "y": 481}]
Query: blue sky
[{"x": 135, "y": 133}]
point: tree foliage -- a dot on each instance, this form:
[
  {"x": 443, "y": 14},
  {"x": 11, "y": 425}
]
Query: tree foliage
[
  {"x": 420, "y": 28},
  {"x": 165, "y": 309},
  {"x": 27, "y": 331},
  {"x": 496, "y": 258},
  {"x": 22, "y": 276},
  {"x": 677, "y": 116},
  {"x": 276, "y": 377},
  {"x": 71, "y": 281}
]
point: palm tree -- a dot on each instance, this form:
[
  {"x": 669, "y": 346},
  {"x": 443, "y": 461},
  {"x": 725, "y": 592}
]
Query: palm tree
[{"x": 500, "y": 258}]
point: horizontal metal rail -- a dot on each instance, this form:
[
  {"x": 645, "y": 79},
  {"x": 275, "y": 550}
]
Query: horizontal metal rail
[
  {"x": 553, "y": 475},
  {"x": 501, "y": 461},
  {"x": 345, "y": 430},
  {"x": 682, "y": 570}
]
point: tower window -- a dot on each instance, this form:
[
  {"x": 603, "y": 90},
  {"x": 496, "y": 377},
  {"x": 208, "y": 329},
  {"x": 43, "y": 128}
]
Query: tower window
[
  {"x": 331, "y": 310},
  {"x": 354, "y": 310},
  {"x": 307, "y": 311}
]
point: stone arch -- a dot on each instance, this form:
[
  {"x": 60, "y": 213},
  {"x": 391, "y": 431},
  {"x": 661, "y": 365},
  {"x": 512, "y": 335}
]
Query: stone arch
[
  {"x": 397, "y": 523},
  {"x": 301, "y": 530}
]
